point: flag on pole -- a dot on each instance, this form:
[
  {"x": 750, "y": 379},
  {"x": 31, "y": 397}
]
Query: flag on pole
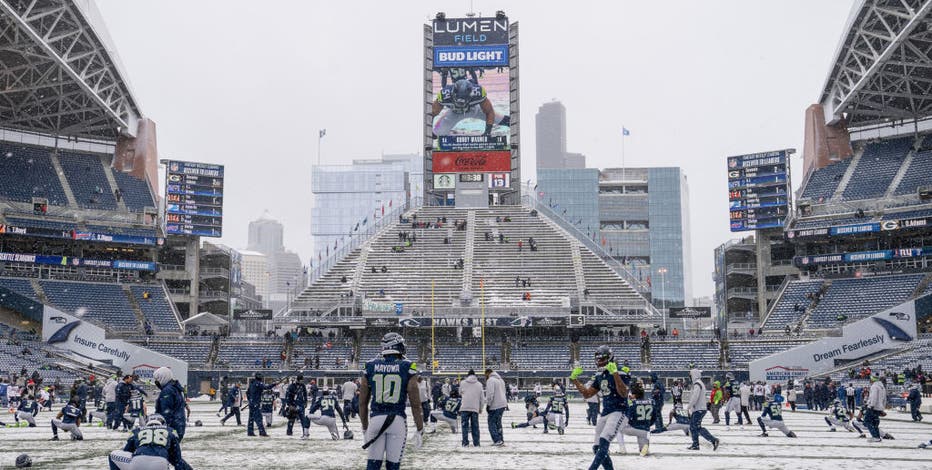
[
  {"x": 322, "y": 133},
  {"x": 625, "y": 132}
]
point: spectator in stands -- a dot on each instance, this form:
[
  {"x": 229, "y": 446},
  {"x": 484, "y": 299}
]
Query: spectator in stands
[
  {"x": 520, "y": 246},
  {"x": 676, "y": 333},
  {"x": 384, "y": 269},
  {"x": 517, "y": 280},
  {"x": 526, "y": 297}
]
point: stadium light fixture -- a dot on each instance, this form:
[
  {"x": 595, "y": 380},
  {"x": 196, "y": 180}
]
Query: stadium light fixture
[
  {"x": 441, "y": 16},
  {"x": 500, "y": 14}
]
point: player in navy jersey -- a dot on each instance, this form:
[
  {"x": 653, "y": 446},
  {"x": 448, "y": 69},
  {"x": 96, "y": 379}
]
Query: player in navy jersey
[
  {"x": 614, "y": 392},
  {"x": 328, "y": 405},
  {"x": 68, "y": 420},
  {"x": 154, "y": 446},
  {"x": 135, "y": 415},
  {"x": 27, "y": 410},
  {"x": 449, "y": 411},
  {"x": 100, "y": 410},
  {"x": 732, "y": 391},
  {"x": 558, "y": 410},
  {"x": 383, "y": 392},
  {"x": 640, "y": 417},
  {"x": 772, "y": 416},
  {"x": 267, "y": 406}
]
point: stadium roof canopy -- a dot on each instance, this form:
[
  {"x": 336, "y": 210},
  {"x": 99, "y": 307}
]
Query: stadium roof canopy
[
  {"x": 882, "y": 70},
  {"x": 59, "y": 73}
]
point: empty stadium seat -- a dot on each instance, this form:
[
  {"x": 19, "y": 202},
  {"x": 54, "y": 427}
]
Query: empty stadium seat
[
  {"x": 105, "y": 303},
  {"x": 785, "y": 312},
  {"x": 824, "y": 181},
  {"x": 136, "y": 193},
  {"x": 89, "y": 184},
  {"x": 877, "y": 167},
  {"x": 858, "y": 298},
  {"x": 157, "y": 308},
  {"x": 27, "y": 172}
]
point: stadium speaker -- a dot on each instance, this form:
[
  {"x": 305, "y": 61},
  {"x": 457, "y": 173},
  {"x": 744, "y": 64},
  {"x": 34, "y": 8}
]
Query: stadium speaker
[{"x": 925, "y": 192}]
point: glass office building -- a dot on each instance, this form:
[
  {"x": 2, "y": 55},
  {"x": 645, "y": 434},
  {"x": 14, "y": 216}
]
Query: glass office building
[
  {"x": 346, "y": 195},
  {"x": 639, "y": 215}
]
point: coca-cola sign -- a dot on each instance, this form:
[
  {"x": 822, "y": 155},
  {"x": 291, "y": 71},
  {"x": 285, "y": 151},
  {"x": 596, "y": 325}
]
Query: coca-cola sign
[{"x": 472, "y": 162}]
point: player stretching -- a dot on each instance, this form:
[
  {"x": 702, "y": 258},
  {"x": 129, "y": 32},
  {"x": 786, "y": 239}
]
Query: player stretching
[
  {"x": 27, "y": 411},
  {"x": 327, "y": 404},
  {"x": 69, "y": 420},
  {"x": 387, "y": 382},
  {"x": 838, "y": 416},
  {"x": 535, "y": 417},
  {"x": 614, "y": 397},
  {"x": 153, "y": 446},
  {"x": 449, "y": 411},
  {"x": 681, "y": 417},
  {"x": 640, "y": 417},
  {"x": 773, "y": 409}
]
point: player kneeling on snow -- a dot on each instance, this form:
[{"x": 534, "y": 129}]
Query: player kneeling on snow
[
  {"x": 153, "y": 447},
  {"x": 772, "y": 416},
  {"x": 449, "y": 411},
  {"x": 68, "y": 420}
]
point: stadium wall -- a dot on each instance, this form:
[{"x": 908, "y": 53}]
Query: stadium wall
[{"x": 894, "y": 328}]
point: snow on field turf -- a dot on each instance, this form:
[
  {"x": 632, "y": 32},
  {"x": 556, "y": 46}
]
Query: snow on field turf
[{"x": 215, "y": 446}]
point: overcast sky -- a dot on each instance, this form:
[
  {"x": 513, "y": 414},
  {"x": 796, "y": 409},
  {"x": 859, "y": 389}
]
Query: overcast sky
[{"x": 247, "y": 84}]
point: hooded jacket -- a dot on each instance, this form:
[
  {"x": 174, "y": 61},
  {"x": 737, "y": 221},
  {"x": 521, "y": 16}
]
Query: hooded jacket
[
  {"x": 110, "y": 390},
  {"x": 495, "y": 396},
  {"x": 471, "y": 394},
  {"x": 697, "y": 400},
  {"x": 171, "y": 405}
]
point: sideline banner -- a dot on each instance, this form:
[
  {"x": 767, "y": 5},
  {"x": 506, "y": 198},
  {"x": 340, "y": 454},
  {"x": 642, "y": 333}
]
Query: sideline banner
[
  {"x": 893, "y": 328},
  {"x": 66, "y": 331}
]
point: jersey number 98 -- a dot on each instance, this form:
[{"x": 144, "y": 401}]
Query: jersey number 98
[{"x": 158, "y": 437}]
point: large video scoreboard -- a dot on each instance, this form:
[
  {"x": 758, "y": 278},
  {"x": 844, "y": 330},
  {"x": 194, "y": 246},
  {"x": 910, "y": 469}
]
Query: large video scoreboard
[
  {"x": 758, "y": 190},
  {"x": 193, "y": 199}
]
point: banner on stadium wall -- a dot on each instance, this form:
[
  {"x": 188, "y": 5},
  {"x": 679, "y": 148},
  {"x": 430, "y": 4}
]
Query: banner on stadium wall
[
  {"x": 84, "y": 339},
  {"x": 257, "y": 314},
  {"x": 472, "y": 162},
  {"x": 469, "y": 322},
  {"x": 854, "y": 229},
  {"x": 690, "y": 312},
  {"x": 78, "y": 235},
  {"x": 893, "y": 328},
  {"x": 861, "y": 256},
  {"x": 51, "y": 260}
]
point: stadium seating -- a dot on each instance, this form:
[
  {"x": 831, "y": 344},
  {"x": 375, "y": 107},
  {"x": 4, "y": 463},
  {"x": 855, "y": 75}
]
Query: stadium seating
[
  {"x": 627, "y": 351},
  {"x": 916, "y": 175},
  {"x": 249, "y": 354},
  {"x": 194, "y": 349},
  {"x": 740, "y": 354},
  {"x": 541, "y": 355},
  {"x": 104, "y": 303},
  {"x": 20, "y": 286},
  {"x": 678, "y": 354},
  {"x": 785, "y": 311},
  {"x": 136, "y": 193},
  {"x": 27, "y": 172},
  {"x": 426, "y": 271},
  {"x": 333, "y": 357},
  {"x": 85, "y": 174},
  {"x": 877, "y": 167},
  {"x": 858, "y": 298},
  {"x": 824, "y": 181},
  {"x": 157, "y": 308}
]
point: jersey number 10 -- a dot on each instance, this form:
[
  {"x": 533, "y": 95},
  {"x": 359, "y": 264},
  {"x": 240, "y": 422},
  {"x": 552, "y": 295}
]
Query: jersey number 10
[{"x": 387, "y": 388}]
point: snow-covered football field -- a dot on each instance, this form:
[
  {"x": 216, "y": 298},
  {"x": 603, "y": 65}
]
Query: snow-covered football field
[{"x": 216, "y": 446}]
